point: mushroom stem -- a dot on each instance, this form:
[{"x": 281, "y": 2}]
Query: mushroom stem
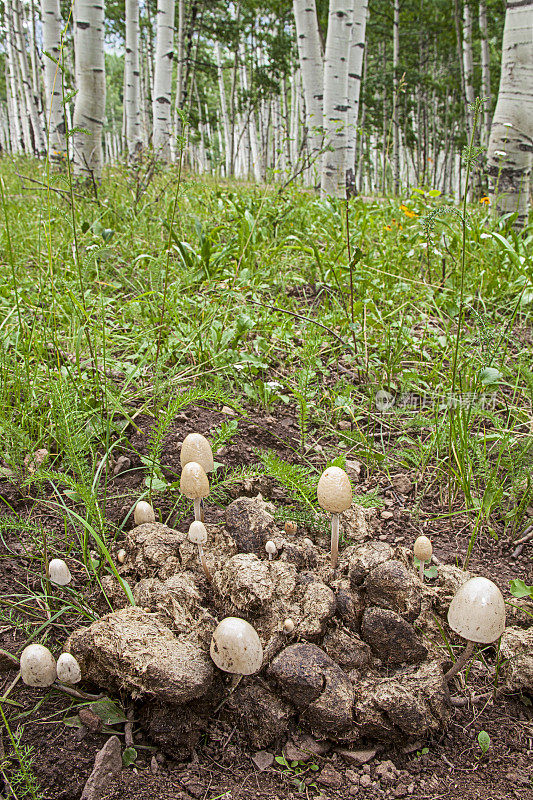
[
  {"x": 421, "y": 570},
  {"x": 334, "y": 540},
  {"x": 197, "y": 509},
  {"x": 461, "y": 661},
  {"x": 202, "y": 514},
  {"x": 236, "y": 679},
  {"x": 203, "y": 562}
]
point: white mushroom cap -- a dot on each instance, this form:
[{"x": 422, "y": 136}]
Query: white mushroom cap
[
  {"x": 195, "y": 447},
  {"x": 288, "y": 625},
  {"x": 477, "y": 612},
  {"x": 334, "y": 490},
  {"x": 59, "y": 572},
  {"x": 197, "y": 533},
  {"x": 235, "y": 647},
  {"x": 68, "y": 669},
  {"x": 143, "y": 513},
  {"x": 423, "y": 548},
  {"x": 271, "y": 548},
  {"x": 37, "y": 666},
  {"x": 193, "y": 481},
  {"x": 121, "y": 556}
]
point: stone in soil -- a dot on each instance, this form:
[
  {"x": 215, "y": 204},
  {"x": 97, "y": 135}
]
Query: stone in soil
[{"x": 107, "y": 767}]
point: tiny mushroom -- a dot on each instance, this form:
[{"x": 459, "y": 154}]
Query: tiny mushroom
[
  {"x": 194, "y": 485},
  {"x": 59, "y": 572},
  {"x": 288, "y": 625},
  {"x": 236, "y": 648},
  {"x": 37, "y": 666},
  {"x": 121, "y": 556},
  {"x": 68, "y": 669},
  {"x": 271, "y": 549},
  {"x": 334, "y": 493},
  {"x": 477, "y": 614},
  {"x": 198, "y": 535},
  {"x": 423, "y": 550},
  {"x": 196, "y": 448},
  {"x": 143, "y": 513},
  {"x": 290, "y": 527}
]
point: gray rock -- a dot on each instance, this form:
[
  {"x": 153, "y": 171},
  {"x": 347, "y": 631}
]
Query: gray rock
[
  {"x": 317, "y": 686},
  {"x": 392, "y": 638},
  {"x": 358, "y": 757},
  {"x": 391, "y": 585},
  {"x": 132, "y": 650},
  {"x": 107, "y": 767},
  {"x": 250, "y": 522},
  {"x": 517, "y": 648}
]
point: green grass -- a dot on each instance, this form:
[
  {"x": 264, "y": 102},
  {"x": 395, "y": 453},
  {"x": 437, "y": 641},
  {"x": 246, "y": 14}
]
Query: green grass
[{"x": 83, "y": 351}]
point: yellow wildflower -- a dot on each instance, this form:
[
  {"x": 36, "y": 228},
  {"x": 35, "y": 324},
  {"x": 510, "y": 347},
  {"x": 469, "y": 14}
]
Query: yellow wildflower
[
  {"x": 387, "y": 228},
  {"x": 484, "y": 200},
  {"x": 407, "y": 211}
]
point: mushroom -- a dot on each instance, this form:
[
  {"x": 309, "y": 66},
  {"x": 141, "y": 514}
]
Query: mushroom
[
  {"x": 121, "y": 556},
  {"x": 423, "y": 550},
  {"x": 194, "y": 484},
  {"x": 59, "y": 572},
  {"x": 37, "y": 666},
  {"x": 198, "y": 535},
  {"x": 143, "y": 513},
  {"x": 290, "y": 527},
  {"x": 477, "y": 614},
  {"x": 236, "y": 648},
  {"x": 334, "y": 493},
  {"x": 288, "y": 625},
  {"x": 196, "y": 448},
  {"x": 271, "y": 549},
  {"x": 68, "y": 669}
]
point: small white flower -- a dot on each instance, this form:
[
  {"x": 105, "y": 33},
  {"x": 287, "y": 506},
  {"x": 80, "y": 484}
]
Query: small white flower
[{"x": 501, "y": 153}]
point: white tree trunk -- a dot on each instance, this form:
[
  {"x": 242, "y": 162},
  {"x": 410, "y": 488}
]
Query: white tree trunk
[
  {"x": 164, "y": 52},
  {"x": 89, "y": 108},
  {"x": 485, "y": 71},
  {"x": 25, "y": 78},
  {"x": 132, "y": 94},
  {"x": 333, "y": 177},
  {"x": 355, "y": 68},
  {"x": 252, "y": 128},
  {"x": 312, "y": 71},
  {"x": 15, "y": 129},
  {"x": 396, "y": 99},
  {"x": 468, "y": 64},
  {"x": 510, "y": 152},
  {"x": 55, "y": 113},
  {"x": 180, "y": 46},
  {"x": 224, "y": 110}
]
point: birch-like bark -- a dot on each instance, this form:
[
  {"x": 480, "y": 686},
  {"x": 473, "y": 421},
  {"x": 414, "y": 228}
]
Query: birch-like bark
[
  {"x": 89, "y": 107},
  {"x": 223, "y": 109},
  {"x": 312, "y": 71},
  {"x": 15, "y": 128},
  {"x": 355, "y": 68},
  {"x": 55, "y": 113},
  {"x": 468, "y": 65},
  {"x": 180, "y": 45},
  {"x": 510, "y": 152},
  {"x": 485, "y": 72},
  {"x": 132, "y": 94},
  {"x": 333, "y": 176},
  {"x": 164, "y": 52},
  {"x": 396, "y": 99},
  {"x": 25, "y": 77},
  {"x": 252, "y": 128}
]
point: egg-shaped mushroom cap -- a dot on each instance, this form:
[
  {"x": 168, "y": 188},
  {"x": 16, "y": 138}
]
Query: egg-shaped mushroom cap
[
  {"x": 271, "y": 548},
  {"x": 143, "y": 513},
  {"x": 68, "y": 669},
  {"x": 37, "y": 666},
  {"x": 477, "y": 612},
  {"x": 235, "y": 647},
  {"x": 195, "y": 447},
  {"x": 334, "y": 490},
  {"x": 423, "y": 548},
  {"x": 59, "y": 572},
  {"x": 193, "y": 482},
  {"x": 197, "y": 533}
]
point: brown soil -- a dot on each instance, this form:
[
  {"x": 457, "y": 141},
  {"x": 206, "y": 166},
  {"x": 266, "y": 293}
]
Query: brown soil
[{"x": 452, "y": 766}]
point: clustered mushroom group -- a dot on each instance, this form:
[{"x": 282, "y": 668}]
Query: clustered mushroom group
[{"x": 476, "y": 613}]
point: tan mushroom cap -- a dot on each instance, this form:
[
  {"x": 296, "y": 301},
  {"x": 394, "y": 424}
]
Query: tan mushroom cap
[
  {"x": 423, "y": 548},
  {"x": 477, "y": 612},
  {"x": 37, "y": 666},
  {"x": 197, "y": 533},
  {"x": 334, "y": 490},
  {"x": 235, "y": 647},
  {"x": 193, "y": 482},
  {"x": 195, "y": 447},
  {"x": 143, "y": 513}
]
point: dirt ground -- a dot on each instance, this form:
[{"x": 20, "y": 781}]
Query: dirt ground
[{"x": 450, "y": 766}]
